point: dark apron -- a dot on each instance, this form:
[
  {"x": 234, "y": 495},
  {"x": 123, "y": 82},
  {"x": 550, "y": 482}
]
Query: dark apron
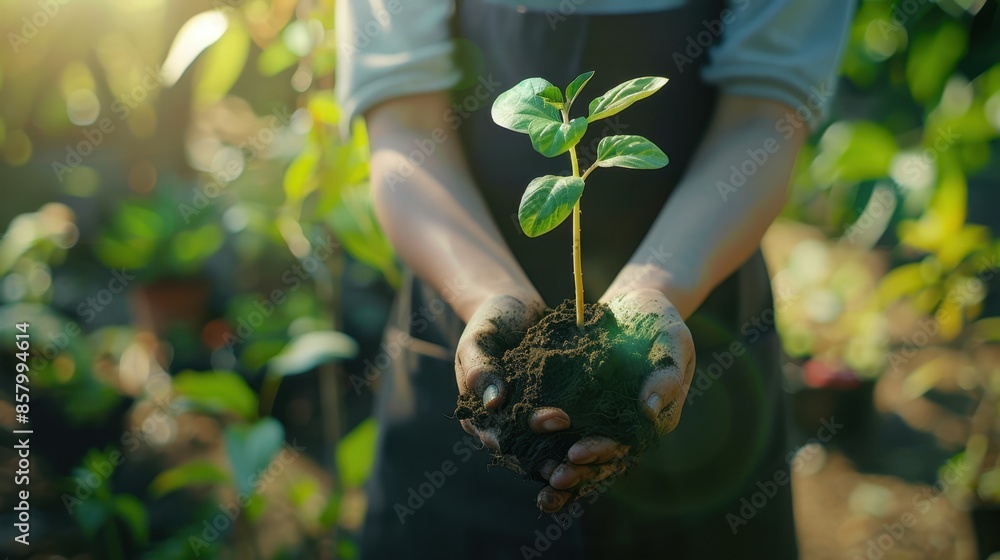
[{"x": 431, "y": 496}]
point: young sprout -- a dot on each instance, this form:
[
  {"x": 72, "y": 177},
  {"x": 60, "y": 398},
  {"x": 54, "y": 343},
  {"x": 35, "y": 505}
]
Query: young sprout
[{"x": 537, "y": 108}]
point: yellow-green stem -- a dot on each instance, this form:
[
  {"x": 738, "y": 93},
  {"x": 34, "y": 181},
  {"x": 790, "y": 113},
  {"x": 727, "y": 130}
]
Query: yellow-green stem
[{"x": 577, "y": 253}]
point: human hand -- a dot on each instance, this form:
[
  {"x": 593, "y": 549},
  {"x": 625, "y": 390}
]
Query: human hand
[
  {"x": 498, "y": 325},
  {"x": 645, "y": 314}
]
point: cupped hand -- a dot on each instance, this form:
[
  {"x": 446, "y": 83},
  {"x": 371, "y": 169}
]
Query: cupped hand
[
  {"x": 644, "y": 313},
  {"x": 498, "y": 325}
]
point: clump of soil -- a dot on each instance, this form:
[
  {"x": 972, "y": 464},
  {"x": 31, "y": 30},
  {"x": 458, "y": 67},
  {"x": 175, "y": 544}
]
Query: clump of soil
[{"x": 593, "y": 373}]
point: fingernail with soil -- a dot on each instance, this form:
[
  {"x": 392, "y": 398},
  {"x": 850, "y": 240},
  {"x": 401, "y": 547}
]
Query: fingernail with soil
[
  {"x": 491, "y": 393},
  {"x": 547, "y": 502},
  {"x": 654, "y": 403}
]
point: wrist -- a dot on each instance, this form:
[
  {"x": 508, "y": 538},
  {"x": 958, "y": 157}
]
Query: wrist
[
  {"x": 680, "y": 289},
  {"x": 525, "y": 293}
]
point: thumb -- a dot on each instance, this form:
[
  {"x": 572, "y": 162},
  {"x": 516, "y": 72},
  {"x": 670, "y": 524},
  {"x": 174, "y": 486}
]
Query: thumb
[
  {"x": 659, "y": 390},
  {"x": 479, "y": 373}
]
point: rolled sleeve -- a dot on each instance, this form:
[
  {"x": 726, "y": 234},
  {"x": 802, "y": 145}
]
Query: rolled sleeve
[
  {"x": 785, "y": 50},
  {"x": 391, "y": 48}
]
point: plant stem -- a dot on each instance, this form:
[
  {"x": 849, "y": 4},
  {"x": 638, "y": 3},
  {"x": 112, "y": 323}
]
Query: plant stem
[{"x": 577, "y": 253}]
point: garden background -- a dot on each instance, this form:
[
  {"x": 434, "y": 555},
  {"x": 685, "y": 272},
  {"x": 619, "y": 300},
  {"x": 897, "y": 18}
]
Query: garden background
[{"x": 193, "y": 247}]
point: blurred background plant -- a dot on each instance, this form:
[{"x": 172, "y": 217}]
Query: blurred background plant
[{"x": 193, "y": 244}]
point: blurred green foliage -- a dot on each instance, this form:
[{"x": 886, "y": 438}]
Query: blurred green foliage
[{"x": 190, "y": 138}]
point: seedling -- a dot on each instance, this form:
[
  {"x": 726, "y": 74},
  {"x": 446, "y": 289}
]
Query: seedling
[
  {"x": 590, "y": 366},
  {"x": 539, "y": 109}
]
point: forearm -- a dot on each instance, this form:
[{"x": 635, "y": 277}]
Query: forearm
[
  {"x": 431, "y": 211},
  {"x": 712, "y": 224}
]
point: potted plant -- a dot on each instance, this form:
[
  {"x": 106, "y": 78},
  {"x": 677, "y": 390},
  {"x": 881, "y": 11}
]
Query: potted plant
[{"x": 585, "y": 358}]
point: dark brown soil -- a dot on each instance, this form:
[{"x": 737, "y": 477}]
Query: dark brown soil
[{"x": 594, "y": 374}]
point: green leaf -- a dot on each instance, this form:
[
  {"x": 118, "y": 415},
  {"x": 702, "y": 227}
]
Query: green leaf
[
  {"x": 133, "y": 513},
  {"x": 632, "y": 152},
  {"x": 352, "y": 217},
  {"x": 547, "y": 202},
  {"x": 331, "y": 513},
  {"x": 618, "y": 98},
  {"x": 217, "y": 391},
  {"x": 932, "y": 59},
  {"x": 324, "y": 108},
  {"x": 251, "y": 449},
  {"x": 552, "y": 138},
  {"x": 275, "y": 58},
  {"x": 193, "y": 473},
  {"x": 356, "y": 453},
  {"x": 300, "y": 177},
  {"x": 576, "y": 86},
  {"x": 91, "y": 515},
  {"x": 518, "y": 107},
  {"x": 307, "y": 351},
  {"x": 552, "y": 96},
  {"x": 222, "y": 65}
]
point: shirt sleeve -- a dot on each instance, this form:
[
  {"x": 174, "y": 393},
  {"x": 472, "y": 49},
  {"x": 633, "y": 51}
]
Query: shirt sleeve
[
  {"x": 391, "y": 48},
  {"x": 785, "y": 50}
]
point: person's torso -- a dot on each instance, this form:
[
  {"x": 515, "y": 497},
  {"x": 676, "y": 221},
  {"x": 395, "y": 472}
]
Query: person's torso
[{"x": 501, "y": 46}]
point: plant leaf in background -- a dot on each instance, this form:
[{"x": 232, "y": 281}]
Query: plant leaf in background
[
  {"x": 196, "y": 35},
  {"x": 91, "y": 515},
  {"x": 632, "y": 152},
  {"x": 309, "y": 350},
  {"x": 547, "y": 202},
  {"x": 352, "y": 218},
  {"x": 222, "y": 65},
  {"x": 300, "y": 177},
  {"x": 133, "y": 513},
  {"x": 853, "y": 152},
  {"x": 251, "y": 448},
  {"x": 932, "y": 59},
  {"x": 356, "y": 453},
  {"x": 218, "y": 392},
  {"x": 620, "y": 97},
  {"x": 192, "y": 473}
]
